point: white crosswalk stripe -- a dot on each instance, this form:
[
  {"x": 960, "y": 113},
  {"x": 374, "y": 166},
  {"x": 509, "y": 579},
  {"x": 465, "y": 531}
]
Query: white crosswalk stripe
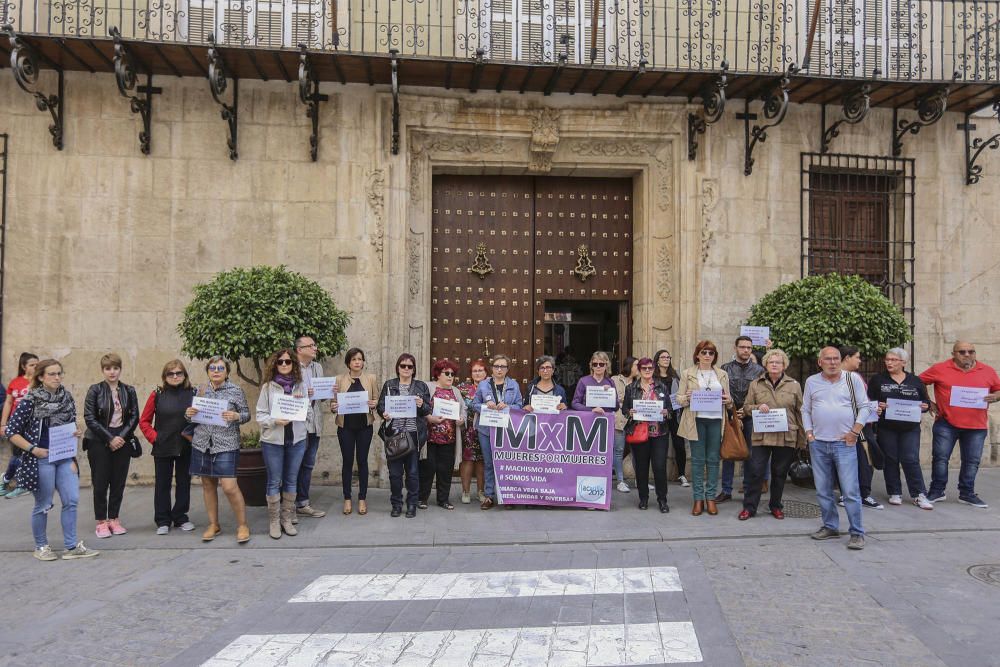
[
  {"x": 464, "y": 585},
  {"x": 629, "y": 643}
]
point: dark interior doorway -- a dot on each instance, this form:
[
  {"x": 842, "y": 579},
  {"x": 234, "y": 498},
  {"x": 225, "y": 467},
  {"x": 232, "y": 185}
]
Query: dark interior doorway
[{"x": 574, "y": 330}]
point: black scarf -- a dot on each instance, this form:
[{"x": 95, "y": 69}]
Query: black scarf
[{"x": 57, "y": 407}]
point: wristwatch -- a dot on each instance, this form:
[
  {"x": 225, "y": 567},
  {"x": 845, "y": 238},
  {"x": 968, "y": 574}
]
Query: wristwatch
[{"x": 32, "y": 448}]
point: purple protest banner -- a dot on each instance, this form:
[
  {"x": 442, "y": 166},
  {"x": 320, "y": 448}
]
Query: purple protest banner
[{"x": 563, "y": 460}]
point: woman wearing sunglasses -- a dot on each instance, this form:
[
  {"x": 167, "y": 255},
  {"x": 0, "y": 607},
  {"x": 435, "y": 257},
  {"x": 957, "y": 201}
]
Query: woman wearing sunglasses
[
  {"x": 649, "y": 388},
  {"x": 406, "y": 384},
  {"x": 162, "y": 422},
  {"x": 496, "y": 393},
  {"x": 282, "y": 441},
  {"x": 600, "y": 364},
  {"x": 443, "y": 454},
  {"x": 703, "y": 429},
  {"x": 215, "y": 449}
]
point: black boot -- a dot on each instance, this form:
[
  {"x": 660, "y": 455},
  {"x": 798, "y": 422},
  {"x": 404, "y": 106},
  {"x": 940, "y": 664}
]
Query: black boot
[
  {"x": 411, "y": 512},
  {"x": 396, "y": 511}
]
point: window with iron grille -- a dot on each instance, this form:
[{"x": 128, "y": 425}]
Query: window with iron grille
[{"x": 857, "y": 219}]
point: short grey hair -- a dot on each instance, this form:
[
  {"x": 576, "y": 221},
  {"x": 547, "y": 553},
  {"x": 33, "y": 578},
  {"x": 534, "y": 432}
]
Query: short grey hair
[
  {"x": 543, "y": 359},
  {"x": 899, "y": 352}
]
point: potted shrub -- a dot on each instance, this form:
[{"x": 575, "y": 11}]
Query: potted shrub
[{"x": 251, "y": 474}]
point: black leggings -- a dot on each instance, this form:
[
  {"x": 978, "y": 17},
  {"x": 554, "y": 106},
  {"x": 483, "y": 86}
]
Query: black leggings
[
  {"x": 680, "y": 447},
  {"x": 108, "y": 474},
  {"x": 440, "y": 464},
  {"x": 355, "y": 442}
]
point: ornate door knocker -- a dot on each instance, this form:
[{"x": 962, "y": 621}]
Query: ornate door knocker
[
  {"x": 584, "y": 266},
  {"x": 481, "y": 266}
]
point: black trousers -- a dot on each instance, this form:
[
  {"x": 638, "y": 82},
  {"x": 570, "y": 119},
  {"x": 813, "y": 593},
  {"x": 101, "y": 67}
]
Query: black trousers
[
  {"x": 355, "y": 442},
  {"x": 781, "y": 459},
  {"x": 168, "y": 469},
  {"x": 679, "y": 446},
  {"x": 652, "y": 451},
  {"x": 108, "y": 474},
  {"x": 440, "y": 463}
]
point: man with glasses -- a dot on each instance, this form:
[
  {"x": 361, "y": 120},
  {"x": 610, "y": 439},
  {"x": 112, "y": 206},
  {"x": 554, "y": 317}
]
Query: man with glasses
[
  {"x": 742, "y": 370},
  {"x": 966, "y": 425},
  {"x": 306, "y": 350}
]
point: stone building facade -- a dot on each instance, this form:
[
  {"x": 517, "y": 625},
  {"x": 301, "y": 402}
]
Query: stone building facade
[{"x": 103, "y": 244}]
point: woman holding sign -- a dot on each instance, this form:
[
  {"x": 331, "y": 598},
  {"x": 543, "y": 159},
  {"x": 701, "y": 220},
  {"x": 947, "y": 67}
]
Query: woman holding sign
[
  {"x": 774, "y": 400},
  {"x": 544, "y": 391},
  {"x": 283, "y": 409},
  {"x": 44, "y": 426},
  {"x": 445, "y": 424},
  {"x": 403, "y": 403},
  {"x": 703, "y": 390},
  {"x": 354, "y": 424},
  {"x": 596, "y": 392},
  {"x": 218, "y": 410},
  {"x": 647, "y": 401},
  {"x": 495, "y": 393},
  {"x": 899, "y": 428}
]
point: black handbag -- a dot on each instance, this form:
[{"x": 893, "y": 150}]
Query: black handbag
[
  {"x": 135, "y": 449},
  {"x": 397, "y": 445},
  {"x": 801, "y": 472}
]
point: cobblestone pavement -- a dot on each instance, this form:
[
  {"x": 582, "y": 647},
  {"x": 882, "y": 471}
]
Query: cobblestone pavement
[{"x": 512, "y": 587}]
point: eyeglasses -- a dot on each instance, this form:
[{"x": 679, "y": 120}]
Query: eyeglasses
[
  {"x": 500, "y": 367},
  {"x": 447, "y": 373},
  {"x": 647, "y": 368},
  {"x": 965, "y": 351},
  {"x": 598, "y": 364},
  {"x": 176, "y": 374},
  {"x": 408, "y": 367},
  {"x": 283, "y": 362},
  {"x": 545, "y": 368},
  {"x": 708, "y": 352},
  {"x": 216, "y": 369}
]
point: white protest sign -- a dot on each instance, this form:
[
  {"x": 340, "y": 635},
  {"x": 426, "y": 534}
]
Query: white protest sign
[
  {"x": 447, "y": 409},
  {"x": 400, "y": 407},
  {"x": 352, "y": 403},
  {"x": 774, "y": 420},
  {"x": 969, "y": 397},
  {"x": 706, "y": 400},
  {"x": 62, "y": 442},
  {"x": 209, "y": 411},
  {"x": 602, "y": 397},
  {"x": 758, "y": 335},
  {"x": 322, "y": 388},
  {"x": 902, "y": 410},
  {"x": 546, "y": 404},
  {"x": 673, "y": 402},
  {"x": 289, "y": 408},
  {"x": 494, "y": 418},
  {"x": 647, "y": 411}
]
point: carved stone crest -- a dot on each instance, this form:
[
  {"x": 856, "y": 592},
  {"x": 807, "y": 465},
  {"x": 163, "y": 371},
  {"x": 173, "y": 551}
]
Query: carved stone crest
[{"x": 544, "y": 139}]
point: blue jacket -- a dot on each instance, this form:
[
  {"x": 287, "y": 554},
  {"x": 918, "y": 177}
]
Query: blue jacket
[{"x": 484, "y": 394}]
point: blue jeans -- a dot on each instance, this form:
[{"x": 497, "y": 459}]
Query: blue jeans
[
  {"x": 970, "y": 445},
  {"x": 54, "y": 477},
  {"x": 829, "y": 457},
  {"x": 705, "y": 457},
  {"x": 409, "y": 466},
  {"x": 306, "y": 470},
  {"x": 902, "y": 448},
  {"x": 486, "y": 445},
  {"x": 729, "y": 467},
  {"x": 619, "y": 455},
  {"x": 282, "y": 463}
]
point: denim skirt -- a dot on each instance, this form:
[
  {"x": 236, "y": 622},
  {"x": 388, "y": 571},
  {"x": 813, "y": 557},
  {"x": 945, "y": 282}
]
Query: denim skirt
[{"x": 220, "y": 464}]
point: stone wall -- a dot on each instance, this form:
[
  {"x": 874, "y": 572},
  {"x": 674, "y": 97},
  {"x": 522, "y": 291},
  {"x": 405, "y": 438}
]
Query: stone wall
[{"x": 104, "y": 244}]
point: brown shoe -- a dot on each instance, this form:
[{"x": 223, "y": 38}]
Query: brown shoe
[
  {"x": 347, "y": 507},
  {"x": 309, "y": 510},
  {"x": 487, "y": 504},
  {"x": 711, "y": 508},
  {"x": 698, "y": 508},
  {"x": 211, "y": 531},
  {"x": 362, "y": 507},
  {"x": 723, "y": 497},
  {"x": 243, "y": 534}
]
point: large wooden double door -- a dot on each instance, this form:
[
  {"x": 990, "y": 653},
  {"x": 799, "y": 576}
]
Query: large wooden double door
[{"x": 503, "y": 246}]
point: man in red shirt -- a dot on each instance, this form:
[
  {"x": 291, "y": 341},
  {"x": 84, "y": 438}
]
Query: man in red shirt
[{"x": 962, "y": 418}]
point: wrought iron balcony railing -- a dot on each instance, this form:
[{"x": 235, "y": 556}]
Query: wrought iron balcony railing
[{"x": 893, "y": 40}]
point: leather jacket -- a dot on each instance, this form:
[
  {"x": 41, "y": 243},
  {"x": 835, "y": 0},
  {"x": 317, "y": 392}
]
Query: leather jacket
[{"x": 98, "y": 409}]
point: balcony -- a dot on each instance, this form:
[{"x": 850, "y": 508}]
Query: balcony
[{"x": 903, "y": 48}]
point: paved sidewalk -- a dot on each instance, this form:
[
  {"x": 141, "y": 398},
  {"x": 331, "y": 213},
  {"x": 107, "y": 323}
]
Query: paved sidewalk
[{"x": 758, "y": 592}]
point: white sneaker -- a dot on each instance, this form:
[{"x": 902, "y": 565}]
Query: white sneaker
[
  {"x": 163, "y": 530},
  {"x": 623, "y": 487},
  {"x": 895, "y": 500},
  {"x": 187, "y": 525},
  {"x": 45, "y": 553},
  {"x": 79, "y": 551},
  {"x": 651, "y": 487},
  {"x": 684, "y": 481},
  {"x": 922, "y": 502}
]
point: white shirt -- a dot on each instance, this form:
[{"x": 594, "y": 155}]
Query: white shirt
[{"x": 827, "y": 409}]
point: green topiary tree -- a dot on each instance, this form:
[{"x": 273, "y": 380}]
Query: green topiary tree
[
  {"x": 830, "y": 309},
  {"x": 250, "y": 313}
]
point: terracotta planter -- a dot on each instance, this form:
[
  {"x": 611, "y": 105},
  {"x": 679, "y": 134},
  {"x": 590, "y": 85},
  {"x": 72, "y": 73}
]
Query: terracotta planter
[{"x": 251, "y": 475}]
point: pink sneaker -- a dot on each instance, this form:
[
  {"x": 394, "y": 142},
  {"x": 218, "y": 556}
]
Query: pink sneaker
[
  {"x": 116, "y": 527},
  {"x": 103, "y": 529}
]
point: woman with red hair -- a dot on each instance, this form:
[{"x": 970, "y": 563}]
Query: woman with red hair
[
  {"x": 442, "y": 454},
  {"x": 703, "y": 429}
]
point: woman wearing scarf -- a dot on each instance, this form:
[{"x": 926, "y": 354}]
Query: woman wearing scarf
[
  {"x": 47, "y": 405},
  {"x": 283, "y": 442}
]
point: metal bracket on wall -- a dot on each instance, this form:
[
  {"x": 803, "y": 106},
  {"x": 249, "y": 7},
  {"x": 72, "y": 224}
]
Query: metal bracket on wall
[
  {"x": 126, "y": 78},
  {"x": 713, "y": 103},
  {"x": 855, "y": 106},
  {"x": 974, "y": 147},
  {"x": 394, "y": 55},
  {"x": 930, "y": 109},
  {"x": 24, "y": 64},
  {"x": 775, "y": 106},
  {"x": 218, "y": 82},
  {"x": 310, "y": 96}
]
